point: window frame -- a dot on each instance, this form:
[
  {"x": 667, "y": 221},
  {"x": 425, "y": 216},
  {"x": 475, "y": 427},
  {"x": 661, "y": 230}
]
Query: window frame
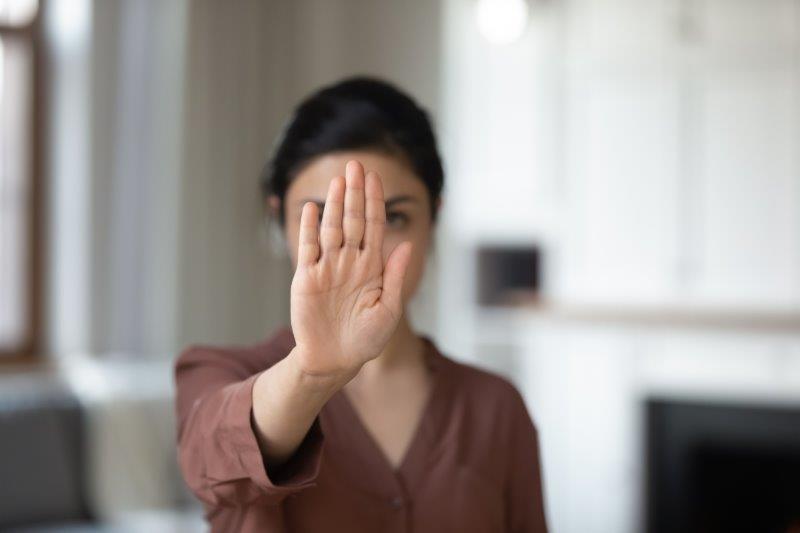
[{"x": 29, "y": 350}]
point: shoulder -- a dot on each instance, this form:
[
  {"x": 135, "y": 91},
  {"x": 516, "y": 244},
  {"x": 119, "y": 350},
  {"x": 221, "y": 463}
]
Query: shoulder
[
  {"x": 487, "y": 393},
  {"x": 247, "y": 358},
  {"x": 476, "y": 379}
]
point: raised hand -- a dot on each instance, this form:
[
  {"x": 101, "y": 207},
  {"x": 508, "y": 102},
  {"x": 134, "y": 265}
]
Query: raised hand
[{"x": 345, "y": 303}]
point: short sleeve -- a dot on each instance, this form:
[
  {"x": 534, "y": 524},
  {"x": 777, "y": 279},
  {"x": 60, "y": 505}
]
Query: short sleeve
[
  {"x": 218, "y": 450},
  {"x": 524, "y": 494}
]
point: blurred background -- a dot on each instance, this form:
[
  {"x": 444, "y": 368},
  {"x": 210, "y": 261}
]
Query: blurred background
[{"x": 620, "y": 236}]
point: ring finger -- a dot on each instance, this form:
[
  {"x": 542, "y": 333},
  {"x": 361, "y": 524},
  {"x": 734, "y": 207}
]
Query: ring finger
[{"x": 331, "y": 231}]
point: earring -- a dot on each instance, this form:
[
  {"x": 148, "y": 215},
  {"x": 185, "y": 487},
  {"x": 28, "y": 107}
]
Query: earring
[{"x": 275, "y": 239}]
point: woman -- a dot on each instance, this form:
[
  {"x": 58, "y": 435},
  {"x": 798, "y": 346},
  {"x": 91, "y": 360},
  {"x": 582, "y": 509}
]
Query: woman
[{"x": 348, "y": 420}]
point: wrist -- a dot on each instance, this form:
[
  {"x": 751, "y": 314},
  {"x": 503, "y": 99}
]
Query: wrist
[{"x": 324, "y": 383}]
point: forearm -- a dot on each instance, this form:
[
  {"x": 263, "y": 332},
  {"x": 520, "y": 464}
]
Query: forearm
[{"x": 285, "y": 403}]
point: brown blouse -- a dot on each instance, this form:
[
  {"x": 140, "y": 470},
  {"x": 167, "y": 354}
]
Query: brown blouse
[{"x": 472, "y": 465}]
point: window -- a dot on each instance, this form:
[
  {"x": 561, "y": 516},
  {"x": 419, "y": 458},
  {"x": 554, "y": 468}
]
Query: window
[{"x": 20, "y": 170}]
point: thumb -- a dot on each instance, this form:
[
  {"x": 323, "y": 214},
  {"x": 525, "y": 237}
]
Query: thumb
[{"x": 393, "y": 275}]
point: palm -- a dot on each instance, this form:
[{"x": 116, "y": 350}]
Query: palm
[{"x": 345, "y": 303}]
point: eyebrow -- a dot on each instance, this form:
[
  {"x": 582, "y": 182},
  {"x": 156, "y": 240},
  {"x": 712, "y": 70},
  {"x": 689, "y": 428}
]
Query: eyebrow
[{"x": 389, "y": 203}]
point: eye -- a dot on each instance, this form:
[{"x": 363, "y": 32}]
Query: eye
[{"x": 397, "y": 220}]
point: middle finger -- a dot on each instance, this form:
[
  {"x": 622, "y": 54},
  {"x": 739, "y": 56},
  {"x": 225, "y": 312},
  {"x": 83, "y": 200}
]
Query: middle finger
[{"x": 353, "y": 221}]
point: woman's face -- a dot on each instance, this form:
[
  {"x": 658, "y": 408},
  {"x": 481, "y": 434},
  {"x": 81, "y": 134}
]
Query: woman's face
[{"x": 407, "y": 210}]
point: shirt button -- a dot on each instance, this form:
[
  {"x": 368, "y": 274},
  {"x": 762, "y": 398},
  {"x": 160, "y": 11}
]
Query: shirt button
[{"x": 397, "y": 502}]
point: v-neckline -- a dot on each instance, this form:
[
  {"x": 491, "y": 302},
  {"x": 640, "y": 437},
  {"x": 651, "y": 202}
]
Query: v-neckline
[
  {"x": 423, "y": 426},
  {"x": 355, "y": 449}
]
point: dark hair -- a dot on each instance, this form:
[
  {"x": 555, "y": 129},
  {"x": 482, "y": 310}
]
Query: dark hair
[{"x": 359, "y": 112}]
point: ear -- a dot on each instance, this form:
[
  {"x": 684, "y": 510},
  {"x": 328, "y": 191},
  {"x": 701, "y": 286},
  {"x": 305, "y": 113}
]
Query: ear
[
  {"x": 274, "y": 204},
  {"x": 438, "y": 207}
]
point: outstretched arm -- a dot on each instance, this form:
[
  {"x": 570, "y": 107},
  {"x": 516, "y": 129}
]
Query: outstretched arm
[{"x": 245, "y": 436}]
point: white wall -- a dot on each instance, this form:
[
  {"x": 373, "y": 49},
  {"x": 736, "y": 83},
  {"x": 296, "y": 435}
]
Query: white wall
[{"x": 651, "y": 147}]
